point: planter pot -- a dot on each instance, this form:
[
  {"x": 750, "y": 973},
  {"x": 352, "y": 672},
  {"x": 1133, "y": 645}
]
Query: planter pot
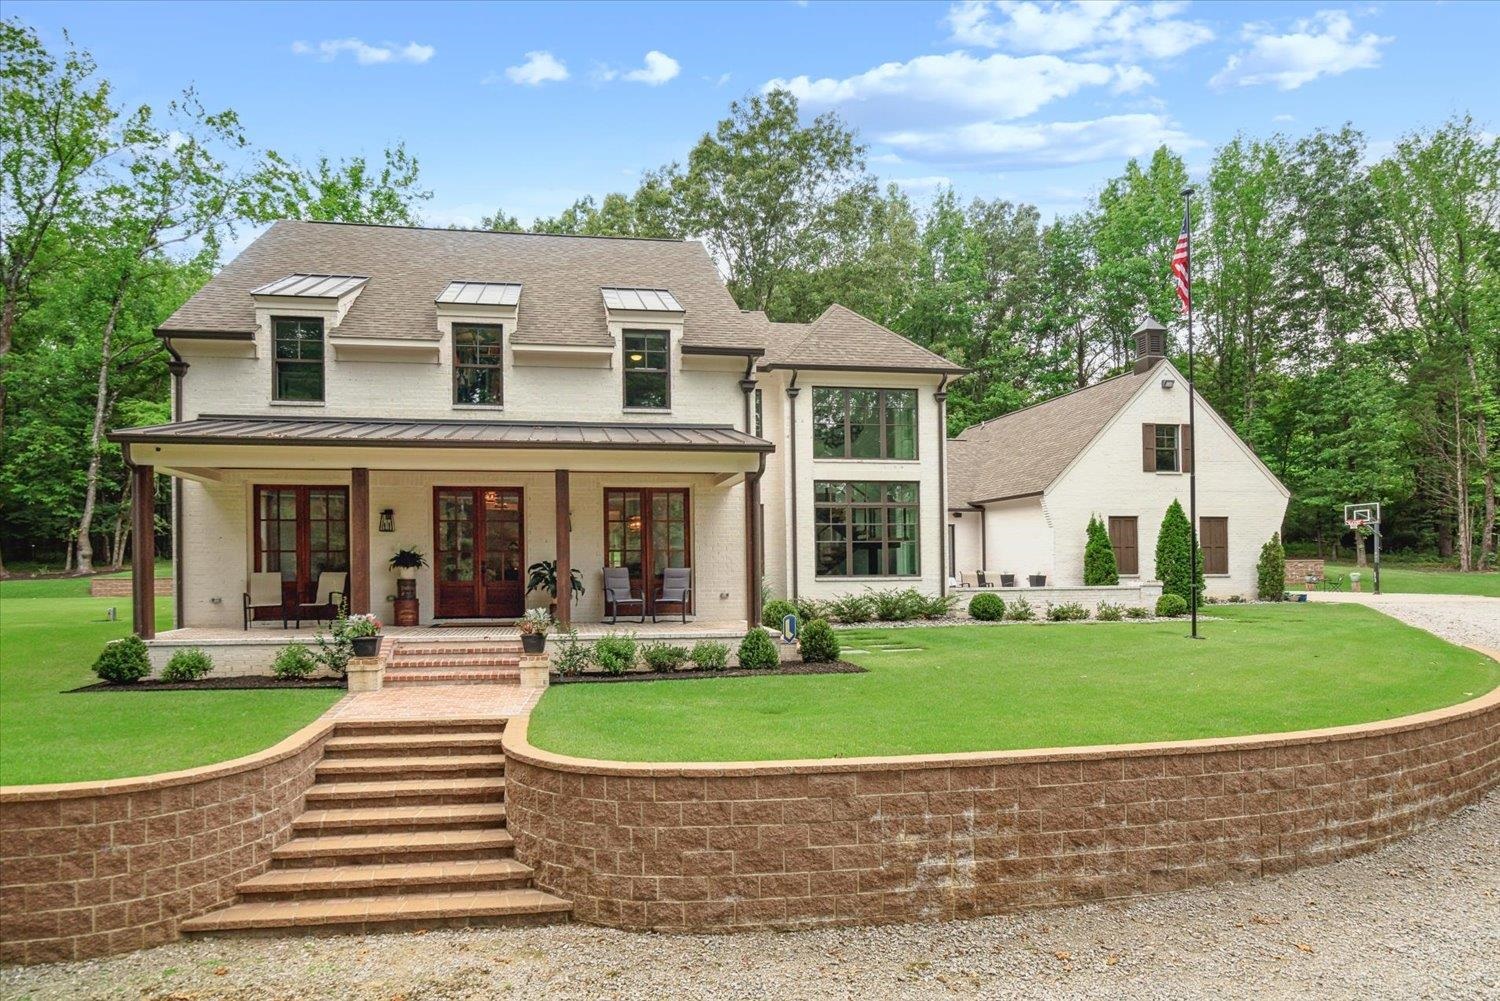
[
  {"x": 533, "y": 642},
  {"x": 406, "y": 573},
  {"x": 1037, "y": 580},
  {"x": 366, "y": 646}
]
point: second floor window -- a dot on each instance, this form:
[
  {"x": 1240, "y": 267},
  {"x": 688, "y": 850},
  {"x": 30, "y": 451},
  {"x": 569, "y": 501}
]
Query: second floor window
[
  {"x": 1166, "y": 448},
  {"x": 864, "y": 423},
  {"x": 297, "y": 350},
  {"x": 478, "y": 364},
  {"x": 647, "y": 370}
]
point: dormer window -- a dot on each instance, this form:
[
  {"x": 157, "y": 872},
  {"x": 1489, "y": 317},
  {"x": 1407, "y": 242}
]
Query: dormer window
[
  {"x": 647, "y": 369},
  {"x": 478, "y": 364},
  {"x": 297, "y": 350}
]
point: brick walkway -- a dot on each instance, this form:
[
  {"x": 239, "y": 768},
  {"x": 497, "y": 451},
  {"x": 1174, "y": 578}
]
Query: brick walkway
[{"x": 437, "y": 702}]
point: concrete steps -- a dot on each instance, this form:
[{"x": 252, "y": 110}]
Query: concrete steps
[{"x": 404, "y": 828}]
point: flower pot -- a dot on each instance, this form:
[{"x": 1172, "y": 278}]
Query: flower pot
[
  {"x": 1037, "y": 580},
  {"x": 533, "y": 642},
  {"x": 406, "y": 573},
  {"x": 366, "y": 646}
]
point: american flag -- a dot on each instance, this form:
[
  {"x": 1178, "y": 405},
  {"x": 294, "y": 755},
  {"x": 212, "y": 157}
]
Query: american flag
[{"x": 1180, "y": 266}]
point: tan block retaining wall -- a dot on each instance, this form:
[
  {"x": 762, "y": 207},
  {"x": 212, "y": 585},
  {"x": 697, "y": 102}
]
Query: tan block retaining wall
[
  {"x": 93, "y": 868},
  {"x": 722, "y": 847},
  {"x": 119, "y": 587}
]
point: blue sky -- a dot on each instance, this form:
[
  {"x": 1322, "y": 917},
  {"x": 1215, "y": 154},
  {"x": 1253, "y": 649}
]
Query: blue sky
[{"x": 527, "y": 107}]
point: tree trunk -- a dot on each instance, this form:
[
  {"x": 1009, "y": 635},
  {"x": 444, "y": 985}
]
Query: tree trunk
[
  {"x": 1465, "y": 539},
  {"x": 102, "y": 404},
  {"x": 1482, "y": 456}
]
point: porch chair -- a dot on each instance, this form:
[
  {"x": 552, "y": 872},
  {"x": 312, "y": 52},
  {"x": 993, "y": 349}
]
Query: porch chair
[
  {"x": 328, "y": 599},
  {"x": 985, "y": 580},
  {"x": 676, "y": 589},
  {"x": 617, "y": 592},
  {"x": 969, "y": 578},
  {"x": 265, "y": 592}
]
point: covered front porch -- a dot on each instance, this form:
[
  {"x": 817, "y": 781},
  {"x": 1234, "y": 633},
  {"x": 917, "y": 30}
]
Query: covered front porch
[{"x": 484, "y": 503}]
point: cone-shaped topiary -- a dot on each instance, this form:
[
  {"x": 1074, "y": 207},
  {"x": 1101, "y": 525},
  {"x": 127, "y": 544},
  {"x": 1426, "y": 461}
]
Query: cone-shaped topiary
[
  {"x": 1099, "y": 566},
  {"x": 1270, "y": 572},
  {"x": 1173, "y": 544}
]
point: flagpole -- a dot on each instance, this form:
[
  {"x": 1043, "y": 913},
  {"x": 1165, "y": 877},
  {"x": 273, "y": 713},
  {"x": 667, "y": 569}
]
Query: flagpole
[{"x": 1187, "y": 209}]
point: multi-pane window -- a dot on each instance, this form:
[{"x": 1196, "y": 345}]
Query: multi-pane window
[
  {"x": 1166, "y": 448},
  {"x": 647, "y": 370},
  {"x": 297, "y": 350},
  {"x": 865, "y": 529},
  {"x": 301, "y": 532},
  {"x": 478, "y": 364},
  {"x": 864, "y": 423}
]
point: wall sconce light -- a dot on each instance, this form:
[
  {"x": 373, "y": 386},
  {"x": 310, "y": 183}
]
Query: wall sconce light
[
  {"x": 388, "y": 520},
  {"x": 1168, "y": 383}
]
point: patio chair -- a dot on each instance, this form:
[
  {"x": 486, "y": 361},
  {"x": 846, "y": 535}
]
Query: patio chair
[
  {"x": 676, "y": 589},
  {"x": 617, "y": 592},
  {"x": 985, "y": 580},
  {"x": 328, "y": 599},
  {"x": 264, "y": 592},
  {"x": 969, "y": 578}
]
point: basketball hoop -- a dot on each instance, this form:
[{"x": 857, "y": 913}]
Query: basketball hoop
[{"x": 1364, "y": 519}]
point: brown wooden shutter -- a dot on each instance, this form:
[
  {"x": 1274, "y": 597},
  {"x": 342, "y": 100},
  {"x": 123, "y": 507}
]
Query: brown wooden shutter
[
  {"x": 1185, "y": 447},
  {"x": 1122, "y": 537},
  {"x": 1148, "y": 448},
  {"x": 1213, "y": 536}
]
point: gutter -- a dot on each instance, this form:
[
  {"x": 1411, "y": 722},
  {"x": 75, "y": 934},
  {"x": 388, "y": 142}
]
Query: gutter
[
  {"x": 791, "y": 393},
  {"x": 747, "y": 386},
  {"x": 178, "y": 366},
  {"x": 940, "y": 397}
]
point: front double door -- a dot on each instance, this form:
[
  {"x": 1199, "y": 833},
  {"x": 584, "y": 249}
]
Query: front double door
[
  {"x": 646, "y": 531},
  {"x": 480, "y": 552}
]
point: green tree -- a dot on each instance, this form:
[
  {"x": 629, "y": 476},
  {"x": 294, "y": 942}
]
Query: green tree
[
  {"x": 1099, "y": 566},
  {"x": 350, "y": 190},
  {"x": 1174, "y": 543},
  {"x": 1270, "y": 572}
]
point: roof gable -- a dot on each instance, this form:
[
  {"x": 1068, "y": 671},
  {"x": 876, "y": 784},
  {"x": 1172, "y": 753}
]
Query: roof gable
[{"x": 843, "y": 339}]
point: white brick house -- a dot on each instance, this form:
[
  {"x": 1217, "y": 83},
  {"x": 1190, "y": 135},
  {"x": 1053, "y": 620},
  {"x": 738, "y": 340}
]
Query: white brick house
[
  {"x": 1022, "y": 487},
  {"x": 495, "y": 400}
]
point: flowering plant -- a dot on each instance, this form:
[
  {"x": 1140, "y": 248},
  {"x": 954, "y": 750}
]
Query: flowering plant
[
  {"x": 536, "y": 621},
  {"x": 356, "y": 626}
]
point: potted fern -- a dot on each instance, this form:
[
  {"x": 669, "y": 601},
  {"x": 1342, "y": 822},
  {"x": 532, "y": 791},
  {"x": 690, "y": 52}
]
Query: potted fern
[
  {"x": 407, "y": 561},
  {"x": 534, "y": 626}
]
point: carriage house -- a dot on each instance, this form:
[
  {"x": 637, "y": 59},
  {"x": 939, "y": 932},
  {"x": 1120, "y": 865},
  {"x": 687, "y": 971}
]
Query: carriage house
[{"x": 496, "y": 400}]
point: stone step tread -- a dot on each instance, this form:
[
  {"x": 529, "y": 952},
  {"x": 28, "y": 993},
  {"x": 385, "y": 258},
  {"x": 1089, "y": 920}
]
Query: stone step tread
[
  {"x": 360, "y": 910},
  {"x": 401, "y": 788},
  {"x": 449, "y": 649},
  {"x": 385, "y": 874},
  {"x": 414, "y": 741},
  {"x": 394, "y": 842},
  {"x": 475, "y": 678},
  {"x": 435, "y": 815},
  {"x": 411, "y": 762},
  {"x": 513, "y": 667}
]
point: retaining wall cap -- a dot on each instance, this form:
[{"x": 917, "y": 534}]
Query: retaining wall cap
[{"x": 519, "y": 748}]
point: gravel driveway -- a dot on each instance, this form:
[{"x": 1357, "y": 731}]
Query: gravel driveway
[
  {"x": 1458, "y": 618},
  {"x": 1418, "y": 920}
]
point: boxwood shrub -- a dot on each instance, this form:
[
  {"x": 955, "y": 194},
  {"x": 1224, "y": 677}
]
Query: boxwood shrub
[
  {"x": 294, "y": 661},
  {"x": 663, "y": 656},
  {"x": 1169, "y": 606},
  {"x": 187, "y": 665},
  {"x": 123, "y": 661},
  {"x": 820, "y": 644},
  {"x": 774, "y": 611},
  {"x": 710, "y": 655},
  {"x": 757, "y": 652},
  {"x": 987, "y": 607}
]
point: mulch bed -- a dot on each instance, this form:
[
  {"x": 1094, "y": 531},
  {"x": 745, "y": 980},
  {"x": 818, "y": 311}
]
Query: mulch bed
[
  {"x": 598, "y": 677},
  {"x": 230, "y": 683}
]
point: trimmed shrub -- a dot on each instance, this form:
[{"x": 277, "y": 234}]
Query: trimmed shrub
[
  {"x": 123, "y": 661},
  {"x": 1170, "y": 606},
  {"x": 1270, "y": 572},
  {"x": 1068, "y": 611},
  {"x": 1109, "y": 612},
  {"x": 664, "y": 656},
  {"x": 615, "y": 653},
  {"x": 1174, "y": 544},
  {"x": 294, "y": 661},
  {"x": 1019, "y": 610},
  {"x": 775, "y": 611},
  {"x": 1099, "y": 566},
  {"x": 569, "y": 655},
  {"x": 1138, "y": 612},
  {"x": 820, "y": 644},
  {"x": 987, "y": 607},
  {"x": 757, "y": 652},
  {"x": 938, "y": 606},
  {"x": 187, "y": 665},
  {"x": 850, "y": 609},
  {"x": 807, "y": 610},
  {"x": 711, "y": 655},
  {"x": 897, "y": 606}
]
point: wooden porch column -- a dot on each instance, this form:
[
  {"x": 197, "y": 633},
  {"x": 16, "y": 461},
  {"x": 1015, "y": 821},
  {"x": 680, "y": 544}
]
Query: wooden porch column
[
  {"x": 564, "y": 550},
  {"x": 143, "y": 551},
  {"x": 359, "y": 540},
  {"x": 752, "y": 548}
]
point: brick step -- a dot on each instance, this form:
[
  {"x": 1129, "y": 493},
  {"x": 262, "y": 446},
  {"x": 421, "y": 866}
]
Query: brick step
[
  {"x": 397, "y": 912},
  {"x": 391, "y": 726},
  {"x": 370, "y": 819},
  {"x": 452, "y": 677},
  {"x": 511, "y": 648},
  {"x": 387, "y": 878},
  {"x": 393, "y": 846},
  {"x": 475, "y": 660},
  {"x": 375, "y": 745},
  {"x": 430, "y": 791},
  {"x": 412, "y": 766}
]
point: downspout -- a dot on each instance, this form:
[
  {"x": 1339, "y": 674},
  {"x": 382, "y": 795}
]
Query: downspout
[
  {"x": 941, "y": 398},
  {"x": 754, "y": 526},
  {"x": 178, "y": 367},
  {"x": 747, "y": 386},
  {"x": 791, "y": 395}
]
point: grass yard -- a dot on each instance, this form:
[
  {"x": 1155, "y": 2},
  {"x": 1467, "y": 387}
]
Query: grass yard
[
  {"x": 1403, "y": 579},
  {"x": 1262, "y": 669},
  {"x": 50, "y": 633}
]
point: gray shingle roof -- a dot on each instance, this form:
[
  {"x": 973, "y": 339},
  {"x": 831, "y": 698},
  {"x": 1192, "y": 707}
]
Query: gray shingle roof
[
  {"x": 842, "y": 339},
  {"x": 409, "y": 268},
  {"x": 1022, "y": 452}
]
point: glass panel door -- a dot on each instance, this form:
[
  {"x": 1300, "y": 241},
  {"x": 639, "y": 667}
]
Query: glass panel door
[
  {"x": 455, "y": 578},
  {"x": 300, "y": 532},
  {"x": 647, "y": 531},
  {"x": 502, "y": 556}
]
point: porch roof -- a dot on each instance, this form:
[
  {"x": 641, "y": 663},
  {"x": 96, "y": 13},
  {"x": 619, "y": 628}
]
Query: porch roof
[{"x": 378, "y": 432}]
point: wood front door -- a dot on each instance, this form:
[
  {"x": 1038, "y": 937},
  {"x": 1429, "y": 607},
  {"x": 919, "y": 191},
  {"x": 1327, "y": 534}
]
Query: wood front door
[
  {"x": 300, "y": 532},
  {"x": 480, "y": 548},
  {"x": 648, "y": 530}
]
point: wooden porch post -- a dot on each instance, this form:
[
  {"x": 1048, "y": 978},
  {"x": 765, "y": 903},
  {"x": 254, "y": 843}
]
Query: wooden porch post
[
  {"x": 359, "y": 540},
  {"x": 564, "y": 550},
  {"x": 143, "y": 551},
  {"x": 752, "y": 548}
]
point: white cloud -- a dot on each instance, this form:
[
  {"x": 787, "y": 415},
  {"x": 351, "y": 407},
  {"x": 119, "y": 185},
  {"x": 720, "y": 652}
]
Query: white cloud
[
  {"x": 364, "y": 53},
  {"x": 1098, "y": 28},
  {"x": 1283, "y": 118},
  {"x": 658, "y": 69},
  {"x": 1044, "y": 144},
  {"x": 540, "y": 67},
  {"x": 717, "y": 81},
  {"x": 1129, "y": 79},
  {"x": 1321, "y": 45},
  {"x": 997, "y": 86}
]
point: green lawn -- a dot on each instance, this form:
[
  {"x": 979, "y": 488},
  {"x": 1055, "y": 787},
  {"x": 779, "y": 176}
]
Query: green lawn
[
  {"x": 1405, "y": 579},
  {"x": 50, "y": 633},
  {"x": 1262, "y": 669}
]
